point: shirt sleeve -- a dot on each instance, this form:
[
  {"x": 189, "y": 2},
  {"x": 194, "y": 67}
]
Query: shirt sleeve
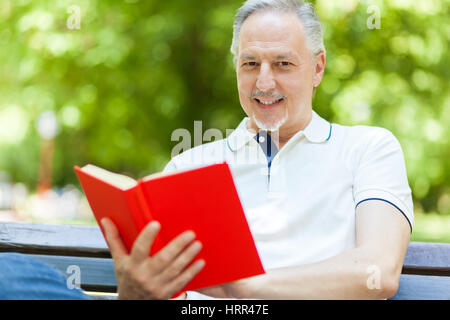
[{"x": 381, "y": 174}]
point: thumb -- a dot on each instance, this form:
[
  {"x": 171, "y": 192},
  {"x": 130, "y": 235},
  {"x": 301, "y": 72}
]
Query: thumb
[{"x": 115, "y": 243}]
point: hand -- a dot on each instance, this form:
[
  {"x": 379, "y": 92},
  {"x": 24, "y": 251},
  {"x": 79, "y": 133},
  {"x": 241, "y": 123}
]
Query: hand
[{"x": 160, "y": 276}]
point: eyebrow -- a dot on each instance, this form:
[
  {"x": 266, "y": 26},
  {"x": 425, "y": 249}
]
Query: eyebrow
[
  {"x": 284, "y": 56},
  {"x": 247, "y": 56},
  {"x": 278, "y": 57}
]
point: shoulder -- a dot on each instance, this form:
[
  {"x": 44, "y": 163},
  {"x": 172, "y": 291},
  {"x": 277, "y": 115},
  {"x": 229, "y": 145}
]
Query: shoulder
[
  {"x": 363, "y": 137},
  {"x": 361, "y": 133},
  {"x": 359, "y": 145}
]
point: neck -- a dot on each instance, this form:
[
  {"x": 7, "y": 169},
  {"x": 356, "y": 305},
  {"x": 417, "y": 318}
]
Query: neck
[{"x": 286, "y": 132}]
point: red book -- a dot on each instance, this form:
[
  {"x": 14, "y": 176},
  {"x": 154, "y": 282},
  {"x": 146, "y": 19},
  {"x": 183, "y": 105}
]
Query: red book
[{"x": 204, "y": 200}]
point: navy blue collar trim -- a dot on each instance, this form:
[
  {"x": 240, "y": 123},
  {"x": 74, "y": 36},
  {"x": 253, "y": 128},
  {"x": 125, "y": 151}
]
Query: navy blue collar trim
[
  {"x": 267, "y": 145},
  {"x": 329, "y": 136}
]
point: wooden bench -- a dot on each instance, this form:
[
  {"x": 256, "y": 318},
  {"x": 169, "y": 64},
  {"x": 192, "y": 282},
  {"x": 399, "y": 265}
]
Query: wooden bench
[{"x": 425, "y": 274}]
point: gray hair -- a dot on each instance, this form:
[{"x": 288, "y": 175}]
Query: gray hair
[{"x": 305, "y": 12}]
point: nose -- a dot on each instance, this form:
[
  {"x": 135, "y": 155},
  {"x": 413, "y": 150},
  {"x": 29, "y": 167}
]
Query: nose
[{"x": 265, "y": 81}]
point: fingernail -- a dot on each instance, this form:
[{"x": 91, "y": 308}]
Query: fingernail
[
  {"x": 201, "y": 263},
  {"x": 103, "y": 222},
  {"x": 197, "y": 245},
  {"x": 189, "y": 236},
  {"x": 155, "y": 225}
]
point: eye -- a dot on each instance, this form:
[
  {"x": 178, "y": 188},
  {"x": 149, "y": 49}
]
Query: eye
[
  {"x": 250, "y": 64},
  {"x": 283, "y": 64}
]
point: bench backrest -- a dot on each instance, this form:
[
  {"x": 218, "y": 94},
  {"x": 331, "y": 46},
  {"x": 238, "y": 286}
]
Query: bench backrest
[{"x": 425, "y": 274}]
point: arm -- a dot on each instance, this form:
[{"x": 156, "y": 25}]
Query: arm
[
  {"x": 160, "y": 276},
  {"x": 369, "y": 271}
]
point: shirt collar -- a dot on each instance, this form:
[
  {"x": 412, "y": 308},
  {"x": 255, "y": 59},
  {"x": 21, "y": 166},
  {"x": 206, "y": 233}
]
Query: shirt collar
[
  {"x": 240, "y": 136},
  {"x": 317, "y": 131}
]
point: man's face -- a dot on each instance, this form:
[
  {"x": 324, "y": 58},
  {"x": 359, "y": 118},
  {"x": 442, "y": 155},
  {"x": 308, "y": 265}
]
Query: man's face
[{"x": 275, "y": 72}]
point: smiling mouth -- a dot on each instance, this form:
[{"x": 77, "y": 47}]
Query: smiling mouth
[{"x": 269, "y": 103}]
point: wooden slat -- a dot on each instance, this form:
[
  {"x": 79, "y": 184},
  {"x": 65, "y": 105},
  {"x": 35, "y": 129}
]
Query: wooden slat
[
  {"x": 415, "y": 287},
  {"x": 96, "y": 274},
  {"x": 86, "y": 241},
  {"x": 426, "y": 270},
  {"x": 65, "y": 240},
  {"x": 427, "y": 259}
]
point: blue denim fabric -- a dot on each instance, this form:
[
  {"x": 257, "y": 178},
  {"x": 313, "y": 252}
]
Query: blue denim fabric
[{"x": 24, "y": 278}]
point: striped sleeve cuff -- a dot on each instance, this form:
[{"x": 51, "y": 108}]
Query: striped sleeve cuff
[{"x": 382, "y": 195}]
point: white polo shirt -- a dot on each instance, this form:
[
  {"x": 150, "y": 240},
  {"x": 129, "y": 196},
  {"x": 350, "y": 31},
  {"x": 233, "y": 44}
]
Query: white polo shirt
[{"x": 302, "y": 209}]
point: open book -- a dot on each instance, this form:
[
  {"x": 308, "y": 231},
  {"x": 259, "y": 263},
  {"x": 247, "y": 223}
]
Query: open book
[{"x": 204, "y": 200}]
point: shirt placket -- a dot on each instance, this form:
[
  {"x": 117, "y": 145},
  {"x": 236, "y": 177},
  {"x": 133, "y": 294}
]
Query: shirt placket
[
  {"x": 272, "y": 168},
  {"x": 276, "y": 183}
]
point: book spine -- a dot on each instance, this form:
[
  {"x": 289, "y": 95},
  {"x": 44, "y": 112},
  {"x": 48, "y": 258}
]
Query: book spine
[
  {"x": 134, "y": 208},
  {"x": 143, "y": 204}
]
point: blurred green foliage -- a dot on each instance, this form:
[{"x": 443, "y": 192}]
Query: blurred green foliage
[
  {"x": 431, "y": 227},
  {"x": 137, "y": 70}
]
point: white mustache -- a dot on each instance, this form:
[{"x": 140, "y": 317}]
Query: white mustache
[{"x": 259, "y": 93}]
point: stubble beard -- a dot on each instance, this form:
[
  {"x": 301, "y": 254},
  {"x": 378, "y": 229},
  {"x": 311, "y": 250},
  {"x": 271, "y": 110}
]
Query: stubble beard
[{"x": 268, "y": 124}]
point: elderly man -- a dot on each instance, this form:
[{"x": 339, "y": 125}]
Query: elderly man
[{"x": 329, "y": 206}]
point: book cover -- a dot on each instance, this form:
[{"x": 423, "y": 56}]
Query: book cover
[{"x": 204, "y": 200}]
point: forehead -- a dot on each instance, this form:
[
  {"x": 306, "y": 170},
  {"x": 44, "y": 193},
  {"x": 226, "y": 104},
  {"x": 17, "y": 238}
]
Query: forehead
[{"x": 272, "y": 33}]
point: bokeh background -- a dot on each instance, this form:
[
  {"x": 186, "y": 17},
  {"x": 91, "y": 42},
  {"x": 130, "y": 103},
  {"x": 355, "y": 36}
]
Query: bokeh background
[{"x": 110, "y": 85}]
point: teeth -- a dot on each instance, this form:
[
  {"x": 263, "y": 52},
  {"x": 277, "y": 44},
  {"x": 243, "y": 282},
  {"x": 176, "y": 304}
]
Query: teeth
[{"x": 268, "y": 102}]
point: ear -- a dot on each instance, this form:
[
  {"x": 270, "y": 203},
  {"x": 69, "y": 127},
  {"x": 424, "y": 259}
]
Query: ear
[{"x": 319, "y": 68}]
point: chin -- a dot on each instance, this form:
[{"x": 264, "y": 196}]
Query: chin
[{"x": 270, "y": 124}]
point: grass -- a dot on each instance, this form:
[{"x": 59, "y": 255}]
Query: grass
[{"x": 431, "y": 227}]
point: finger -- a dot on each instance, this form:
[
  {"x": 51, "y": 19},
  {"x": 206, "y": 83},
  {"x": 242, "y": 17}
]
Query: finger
[
  {"x": 181, "y": 261},
  {"x": 187, "y": 275},
  {"x": 143, "y": 243},
  {"x": 164, "y": 257},
  {"x": 113, "y": 239}
]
